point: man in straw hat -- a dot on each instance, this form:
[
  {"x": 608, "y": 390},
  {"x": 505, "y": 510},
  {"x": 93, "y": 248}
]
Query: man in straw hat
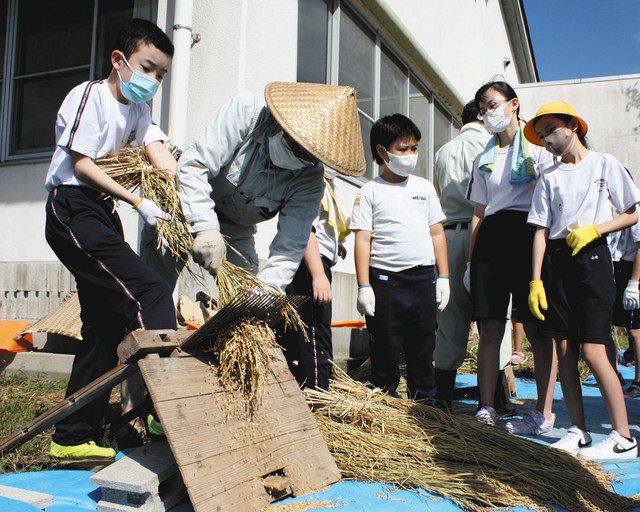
[{"x": 255, "y": 160}]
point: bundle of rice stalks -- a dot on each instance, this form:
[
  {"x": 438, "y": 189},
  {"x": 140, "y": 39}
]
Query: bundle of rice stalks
[
  {"x": 398, "y": 441},
  {"x": 244, "y": 353},
  {"x": 131, "y": 168},
  {"x": 233, "y": 280}
]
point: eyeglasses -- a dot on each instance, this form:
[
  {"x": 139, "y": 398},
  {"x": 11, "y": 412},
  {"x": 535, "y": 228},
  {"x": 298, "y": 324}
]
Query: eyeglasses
[{"x": 493, "y": 106}]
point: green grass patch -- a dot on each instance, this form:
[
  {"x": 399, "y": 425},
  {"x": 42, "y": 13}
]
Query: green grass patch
[{"x": 22, "y": 398}]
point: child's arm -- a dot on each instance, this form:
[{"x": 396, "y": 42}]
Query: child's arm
[
  {"x": 87, "y": 171},
  {"x": 442, "y": 264},
  {"x": 537, "y": 295},
  {"x": 631, "y": 296},
  {"x": 476, "y": 220},
  {"x": 580, "y": 237},
  {"x": 440, "y": 249},
  {"x": 362, "y": 253},
  {"x": 160, "y": 157},
  {"x": 320, "y": 285}
]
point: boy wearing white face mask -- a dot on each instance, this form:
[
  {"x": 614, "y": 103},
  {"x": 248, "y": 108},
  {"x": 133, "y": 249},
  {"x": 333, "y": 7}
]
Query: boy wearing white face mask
[
  {"x": 400, "y": 242},
  {"x": 118, "y": 292},
  {"x": 260, "y": 157}
]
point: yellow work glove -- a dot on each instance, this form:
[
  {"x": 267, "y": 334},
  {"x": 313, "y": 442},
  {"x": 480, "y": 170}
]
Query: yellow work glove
[
  {"x": 537, "y": 298},
  {"x": 579, "y": 237}
]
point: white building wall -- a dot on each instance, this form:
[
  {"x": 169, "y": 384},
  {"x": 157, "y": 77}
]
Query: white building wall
[
  {"x": 610, "y": 106},
  {"x": 466, "y": 39}
]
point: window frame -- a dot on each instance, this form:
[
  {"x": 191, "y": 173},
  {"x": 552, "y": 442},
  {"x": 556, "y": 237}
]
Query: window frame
[
  {"x": 7, "y": 90},
  {"x": 336, "y": 8}
]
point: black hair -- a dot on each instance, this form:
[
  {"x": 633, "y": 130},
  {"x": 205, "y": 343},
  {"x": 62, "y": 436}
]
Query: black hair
[
  {"x": 470, "y": 112},
  {"x": 566, "y": 119},
  {"x": 388, "y": 129},
  {"x": 139, "y": 31},
  {"x": 502, "y": 87}
]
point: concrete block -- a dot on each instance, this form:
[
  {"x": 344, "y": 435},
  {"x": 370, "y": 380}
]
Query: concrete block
[
  {"x": 37, "y": 499},
  {"x": 52, "y": 366},
  {"x": 145, "y": 480}
]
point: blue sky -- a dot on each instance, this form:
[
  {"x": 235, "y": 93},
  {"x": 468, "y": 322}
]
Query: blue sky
[{"x": 584, "y": 38}]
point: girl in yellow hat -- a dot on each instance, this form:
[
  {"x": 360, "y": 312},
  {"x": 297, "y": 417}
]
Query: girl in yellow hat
[{"x": 572, "y": 289}]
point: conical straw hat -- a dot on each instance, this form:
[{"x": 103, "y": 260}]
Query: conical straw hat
[{"x": 323, "y": 119}]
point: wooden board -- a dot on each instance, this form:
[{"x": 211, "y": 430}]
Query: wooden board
[{"x": 227, "y": 459}]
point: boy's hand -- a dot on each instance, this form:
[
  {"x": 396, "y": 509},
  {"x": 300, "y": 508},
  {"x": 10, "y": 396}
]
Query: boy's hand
[
  {"x": 579, "y": 237},
  {"x": 209, "y": 250},
  {"x": 631, "y": 296},
  {"x": 537, "y": 298},
  {"x": 366, "y": 301},
  {"x": 321, "y": 288},
  {"x": 342, "y": 251},
  {"x": 442, "y": 292},
  {"x": 150, "y": 211}
]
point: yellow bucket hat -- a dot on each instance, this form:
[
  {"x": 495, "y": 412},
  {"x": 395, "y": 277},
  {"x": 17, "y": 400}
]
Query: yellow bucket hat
[{"x": 555, "y": 107}]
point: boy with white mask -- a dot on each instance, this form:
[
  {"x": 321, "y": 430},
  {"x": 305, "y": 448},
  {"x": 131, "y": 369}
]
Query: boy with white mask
[
  {"x": 400, "y": 242},
  {"x": 253, "y": 161}
]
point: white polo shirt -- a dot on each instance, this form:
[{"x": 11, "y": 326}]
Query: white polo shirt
[
  {"x": 93, "y": 123},
  {"x": 495, "y": 190},
  {"x": 622, "y": 244},
  {"x": 399, "y": 216},
  {"x": 568, "y": 196}
]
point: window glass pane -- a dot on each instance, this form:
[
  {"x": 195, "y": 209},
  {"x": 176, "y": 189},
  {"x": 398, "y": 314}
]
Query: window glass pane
[
  {"x": 3, "y": 33},
  {"x": 313, "y": 18},
  {"x": 356, "y": 61},
  {"x": 441, "y": 127},
  {"x": 53, "y": 35},
  {"x": 35, "y": 104},
  {"x": 112, "y": 16},
  {"x": 419, "y": 114},
  {"x": 393, "y": 79},
  {"x": 372, "y": 168}
]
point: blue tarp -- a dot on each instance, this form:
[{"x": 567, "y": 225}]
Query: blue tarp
[{"x": 74, "y": 492}]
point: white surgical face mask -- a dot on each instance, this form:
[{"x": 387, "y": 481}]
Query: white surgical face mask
[
  {"x": 402, "y": 165},
  {"x": 282, "y": 156},
  {"x": 496, "y": 120}
]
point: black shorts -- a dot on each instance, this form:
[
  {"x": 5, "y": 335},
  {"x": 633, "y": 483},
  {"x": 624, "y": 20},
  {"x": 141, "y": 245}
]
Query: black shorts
[
  {"x": 622, "y": 317},
  {"x": 580, "y": 292},
  {"x": 501, "y": 266}
]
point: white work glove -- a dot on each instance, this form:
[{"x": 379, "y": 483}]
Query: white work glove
[
  {"x": 466, "y": 278},
  {"x": 150, "y": 211},
  {"x": 442, "y": 292},
  {"x": 366, "y": 301},
  {"x": 209, "y": 250},
  {"x": 631, "y": 296}
]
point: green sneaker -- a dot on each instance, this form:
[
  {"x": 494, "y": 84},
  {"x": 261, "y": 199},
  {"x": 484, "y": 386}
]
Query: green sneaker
[
  {"x": 154, "y": 426},
  {"x": 88, "y": 450}
]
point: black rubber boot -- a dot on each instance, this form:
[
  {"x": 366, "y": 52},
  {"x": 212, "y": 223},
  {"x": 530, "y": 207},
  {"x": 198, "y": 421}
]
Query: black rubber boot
[{"x": 445, "y": 384}]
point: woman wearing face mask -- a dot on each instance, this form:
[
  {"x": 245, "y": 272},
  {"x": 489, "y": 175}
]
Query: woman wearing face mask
[
  {"x": 572, "y": 287},
  {"x": 399, "y": 245},
  {"x": 501, "y": 186}
]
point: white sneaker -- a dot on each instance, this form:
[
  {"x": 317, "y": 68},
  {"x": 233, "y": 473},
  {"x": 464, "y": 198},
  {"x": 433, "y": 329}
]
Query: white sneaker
[
  {"x": 532, "y": 423},
  {"x": 574, "y": 440},
  {"x": 613, "y": 447},
  {"x": 488, "y": 416}
]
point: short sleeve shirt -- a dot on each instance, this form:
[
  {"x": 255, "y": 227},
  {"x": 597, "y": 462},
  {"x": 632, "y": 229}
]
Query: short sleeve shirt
[
  {"x": 399, "y": 216},
  {"x": 494, "y": 189},
  {"x": 568, "y": 196},
  {"x": 94, "y": 123}
]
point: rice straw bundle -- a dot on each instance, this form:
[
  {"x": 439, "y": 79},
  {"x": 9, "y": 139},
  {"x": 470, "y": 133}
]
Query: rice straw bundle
[
  {"x": 376, "y": 437},
  {"x": 131, "y": 168},
  {"x": 244, "y": 353},
  {"x": 302, "y": 506}
]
